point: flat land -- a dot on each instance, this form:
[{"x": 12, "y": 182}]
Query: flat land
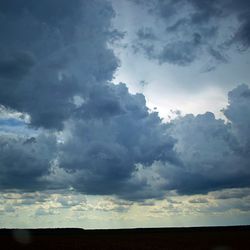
[{"x": 212, "y": 238}]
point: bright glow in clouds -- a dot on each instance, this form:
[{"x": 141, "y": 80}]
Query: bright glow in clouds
[{"x": 193, "y": 89}]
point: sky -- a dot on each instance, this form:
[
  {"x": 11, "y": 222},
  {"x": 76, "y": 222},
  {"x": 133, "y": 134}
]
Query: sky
[{"x": 124, "y": 113}]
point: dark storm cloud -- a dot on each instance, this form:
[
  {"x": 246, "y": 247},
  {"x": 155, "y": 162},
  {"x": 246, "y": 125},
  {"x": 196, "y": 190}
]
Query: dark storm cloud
[
  {"x": 50, "y": 52},
  {"x": 210, "y": 21},
  {"x": 16, "y": 66},
  {"x": 104, "y": 152},
  {"x": 102, "y": 102},
  {"x": 181, "y": 53},
  {"x": 24, "y": 162}
]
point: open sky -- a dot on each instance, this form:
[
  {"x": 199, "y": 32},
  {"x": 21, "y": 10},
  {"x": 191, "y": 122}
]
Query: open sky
[{"x": 124, "y": 113}]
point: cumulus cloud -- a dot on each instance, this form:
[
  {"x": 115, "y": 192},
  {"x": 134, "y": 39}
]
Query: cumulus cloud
[
  {"x": 190, "y": 29},
  {"x": 211, "y": 154},
  {"x": 51, "y": 53},
  {"x": 23, "y": 161},
  {"x": 238, "y": 113},
  {"x": 206, "y": 147},
  {"x": 104, "y": 152}
]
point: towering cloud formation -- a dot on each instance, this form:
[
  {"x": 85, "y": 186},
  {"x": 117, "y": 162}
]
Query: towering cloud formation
[
  {"x": 238, "y": 113},
  {"x": 52, "y": 52},
  {"x": 105, "y": 146},
  {"x": 93, "y": 135}
]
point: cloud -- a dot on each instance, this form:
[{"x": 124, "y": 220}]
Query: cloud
[
  {"x": 212, "y": 154},
  {"x": 23, "y": 163},
  {"x": 136, "y": 156},
  {"x": 50, "y": 54},
  {"x": 181, "y": 53},
  {"x": 43, "y": 212},
  {"x": 70, "y": 201},
  {"x": 104, "y": 152},
  {"x": 192, "y": 29},
  {"x": 198, "y": 200},
  {"x": 238, "y": 113},
  {"x": 237, "y": 193},
  {"x": 17, "y": 65}
]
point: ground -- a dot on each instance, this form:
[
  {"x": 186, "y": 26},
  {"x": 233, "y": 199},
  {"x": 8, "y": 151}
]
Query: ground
[{"x": 212, "y": 238}]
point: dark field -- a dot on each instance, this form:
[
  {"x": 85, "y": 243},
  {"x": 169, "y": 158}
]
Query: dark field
[{"x": 216, "y": 238}]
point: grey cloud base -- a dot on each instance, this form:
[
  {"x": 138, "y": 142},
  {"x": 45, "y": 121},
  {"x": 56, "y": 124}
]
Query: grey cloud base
[
  {"x": 104, "y": 151},
  {"x": 95, "y": 136},
  {"x": 24, "y": 161}
]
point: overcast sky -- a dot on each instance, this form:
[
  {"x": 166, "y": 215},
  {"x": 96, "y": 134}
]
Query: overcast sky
[{"x": 124, "y": 113}]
